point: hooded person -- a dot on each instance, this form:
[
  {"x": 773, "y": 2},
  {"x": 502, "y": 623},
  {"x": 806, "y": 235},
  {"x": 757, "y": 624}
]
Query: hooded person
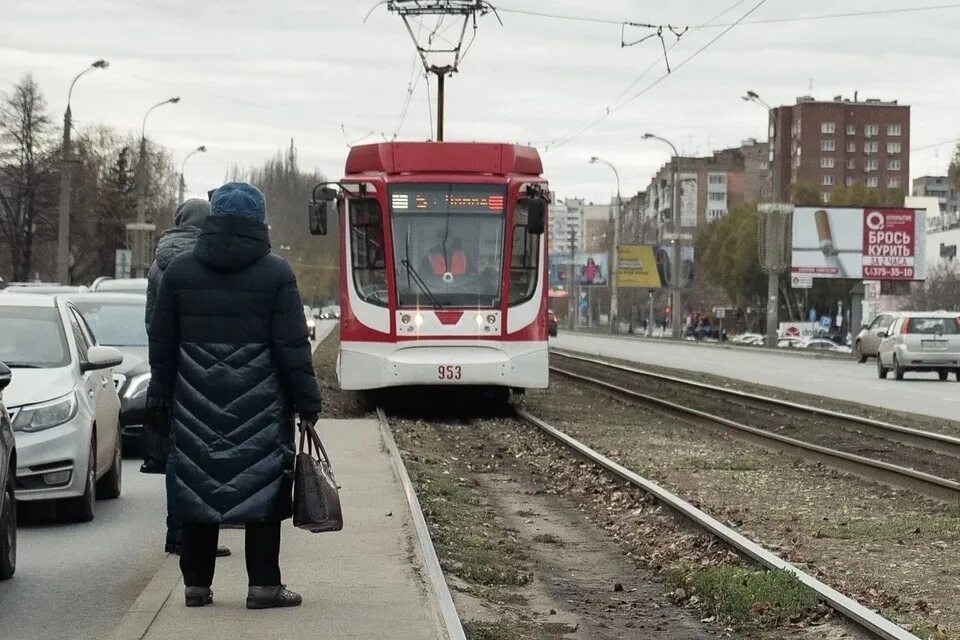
[
  {"x": 187, "y": 220},
  {"x": 231, "y": 361}
]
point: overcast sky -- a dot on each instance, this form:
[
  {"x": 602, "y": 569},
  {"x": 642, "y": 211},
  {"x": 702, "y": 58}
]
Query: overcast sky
[{"x": 253, "y": 74}]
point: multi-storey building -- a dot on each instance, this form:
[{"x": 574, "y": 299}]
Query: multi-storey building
[
  {"x": 840, "y": 142},
  {"x": 947, "y": 196},
  {"x": 566, "y": 223}
]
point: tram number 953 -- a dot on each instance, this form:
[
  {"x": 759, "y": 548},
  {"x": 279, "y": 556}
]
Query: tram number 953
[{"x": 449, "y": 372}]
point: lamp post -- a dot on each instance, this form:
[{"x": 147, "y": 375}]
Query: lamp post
[
  {"x": 66, "y": 178},
  {"x": 183, "y": 184},
  {"x": 675, "y": 255},
  {"x": 773, "y": 274},
  {"x": 614, "y": 262},
  {"x": 142, "y": 162}
]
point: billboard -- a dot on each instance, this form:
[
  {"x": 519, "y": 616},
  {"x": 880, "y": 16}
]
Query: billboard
[
  {"x": 637, "y": 266},
  {"x": 688, "y": 199},
  {"x": 859, "y": 243},
  {"x": 592, "y": 270}
]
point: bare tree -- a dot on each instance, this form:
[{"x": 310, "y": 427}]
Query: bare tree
[
  {"x": 27, "y": 174},
  {"x": 954, "y": 170},
  {"x": 940, "y": 291}
]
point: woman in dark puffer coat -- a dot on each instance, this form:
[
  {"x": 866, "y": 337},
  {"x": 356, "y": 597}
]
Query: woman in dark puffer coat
[{"x": 231, "y": 359}]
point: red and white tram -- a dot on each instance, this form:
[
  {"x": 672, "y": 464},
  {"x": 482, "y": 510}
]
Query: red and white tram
[{"x": 443, "y": 263}]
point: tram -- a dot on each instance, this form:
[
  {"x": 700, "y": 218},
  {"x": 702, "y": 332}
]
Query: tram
[{"x": 443, "y": 265}]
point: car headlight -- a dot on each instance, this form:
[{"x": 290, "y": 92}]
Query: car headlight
[
  {"x": 45, "y": 415},
  {"x": 311, "y": 324},
  {"x": 137, "y": 386}
]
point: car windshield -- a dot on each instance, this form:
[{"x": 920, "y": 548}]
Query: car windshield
[
  {"x": 934, "y": 326},
  {"x": 448, "y": 243},
  {"x": 32, "y": 337},
  {"x": 115, "y": 324}
]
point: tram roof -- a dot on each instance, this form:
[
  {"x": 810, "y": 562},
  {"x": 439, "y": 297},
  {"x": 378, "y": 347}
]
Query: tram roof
[{"x": 444, "y": 157}]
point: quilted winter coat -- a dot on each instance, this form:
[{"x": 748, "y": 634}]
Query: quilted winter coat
[{"x": 229, "y": 348}]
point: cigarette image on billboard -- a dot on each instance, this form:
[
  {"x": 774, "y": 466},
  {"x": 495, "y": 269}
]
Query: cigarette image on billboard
[{"x": 828, "y": 243}]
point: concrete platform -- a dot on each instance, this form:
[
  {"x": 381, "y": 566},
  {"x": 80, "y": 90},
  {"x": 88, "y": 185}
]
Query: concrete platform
[
  {"x": 365, "y": 582},
  {"x": 920, "y": 393}
]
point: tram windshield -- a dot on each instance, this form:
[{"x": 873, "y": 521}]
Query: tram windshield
[{"x": 448, "y": 243}]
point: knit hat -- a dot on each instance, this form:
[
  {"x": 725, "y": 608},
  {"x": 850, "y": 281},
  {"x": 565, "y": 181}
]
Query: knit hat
[{"x": 239, "y": 199}]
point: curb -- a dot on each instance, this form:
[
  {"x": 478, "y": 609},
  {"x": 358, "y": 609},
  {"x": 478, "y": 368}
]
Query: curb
[{"x": 137, "y": 621}]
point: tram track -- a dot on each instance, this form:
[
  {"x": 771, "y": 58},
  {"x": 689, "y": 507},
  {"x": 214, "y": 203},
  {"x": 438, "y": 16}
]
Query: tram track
[{"x": 921, "y": 461}]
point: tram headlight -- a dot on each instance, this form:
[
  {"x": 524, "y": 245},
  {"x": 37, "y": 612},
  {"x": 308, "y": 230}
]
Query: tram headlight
[
  {"x": 418, "y": 319},
  {"x": 479, "y": 319}
]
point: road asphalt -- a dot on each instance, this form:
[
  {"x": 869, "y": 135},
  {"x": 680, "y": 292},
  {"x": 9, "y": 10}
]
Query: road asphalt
[{"x": 920, "y": 393}]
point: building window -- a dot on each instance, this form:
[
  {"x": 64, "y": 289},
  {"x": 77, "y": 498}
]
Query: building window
[
  {"x": 828, "y": 127},
  {"x": 827, "y": 181},
  {"x": 718, "y": 196},
  {"x": 849, "y": 181},
  {"x": 851, "y": 147},
  {"x": 715, "y": 214},
  {"x": 893, "y": 130},
  {"x": 826, "y": 162},
  {"x": 872, "y": 164},
  {"x": 894, "y": 147},
  {"x": 871, "y": 147},
  {"x": 871, "y": 130},
  {"x": 851, "y": 164},
  {"x": 872, "y": 181},
  {"x": 825, "y": 196},
  {"x": 828, "y": 145},
  {"x": 893, "y": 165},
  {"x": 851, "y": 130},
  {"x": 893, "y": 183},
  {"x": 716, "y": 178}
]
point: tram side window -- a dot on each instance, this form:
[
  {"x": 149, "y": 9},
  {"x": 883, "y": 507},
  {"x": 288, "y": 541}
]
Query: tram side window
[
  {"x": 367, "y": 257},
  {"x": 524, "y": 259}
]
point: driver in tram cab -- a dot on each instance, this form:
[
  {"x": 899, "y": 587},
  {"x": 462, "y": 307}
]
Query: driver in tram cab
[{"x": 447, "y": 256}]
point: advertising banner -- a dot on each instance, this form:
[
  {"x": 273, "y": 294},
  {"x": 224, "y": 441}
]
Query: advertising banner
[
  {"x": 688, "y": 200},
  {"x": 859, "y": 244},
  {"x": 637, "y": 266},
  {"x": 592, "y": 269}
]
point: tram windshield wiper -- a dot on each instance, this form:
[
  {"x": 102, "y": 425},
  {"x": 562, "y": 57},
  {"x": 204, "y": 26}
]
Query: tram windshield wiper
[{"x": 421, "y": 284}]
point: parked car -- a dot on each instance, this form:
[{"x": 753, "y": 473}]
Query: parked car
[
  {"x": 120, "y": 285},
  {"x": 920, "y": 341},
  {"x": 8, "y": 468},
  {"x": 867, "y": 342},
  {"x": 311, "y": 323},
  {"x": 43, "y": 287},
  {"x": 552, "y": 324},
  {"x": 63, "y": 404},
  {"x": 116, "y": 320},
  {"x": 822, "y": 344},
  {"x": 788, "y": 343}
]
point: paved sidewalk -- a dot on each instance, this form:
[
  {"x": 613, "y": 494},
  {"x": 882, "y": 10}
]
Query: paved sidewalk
[{"x": 364, "y": 582}]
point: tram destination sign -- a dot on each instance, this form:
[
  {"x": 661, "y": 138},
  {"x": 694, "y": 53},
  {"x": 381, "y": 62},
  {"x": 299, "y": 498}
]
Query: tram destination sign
[
  {"x": 447, "y": 198},
  {"x": 859, "y": 243}
]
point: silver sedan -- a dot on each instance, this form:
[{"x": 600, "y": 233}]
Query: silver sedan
[{"x": 921, "y": 342}]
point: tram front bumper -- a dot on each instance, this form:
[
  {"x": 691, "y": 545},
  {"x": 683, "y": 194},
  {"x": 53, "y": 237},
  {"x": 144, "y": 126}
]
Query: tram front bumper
[{"x": 503, "y": 364}]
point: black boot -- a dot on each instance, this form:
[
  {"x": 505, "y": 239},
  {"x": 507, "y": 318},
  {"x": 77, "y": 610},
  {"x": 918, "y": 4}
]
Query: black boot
[
  {"x": 198, "y": 596},
  {"x": 271, "y": 597}
]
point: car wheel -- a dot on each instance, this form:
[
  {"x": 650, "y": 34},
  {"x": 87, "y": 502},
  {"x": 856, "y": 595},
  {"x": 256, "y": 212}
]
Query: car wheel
[
  {"x": 942, "y": 374},
  {"x": 108, "y": 487},
  {"x": 898, "y": 371},
  {"x": 881, "y": 370},
  {"x": 8, "y": 531},
  {"x": 83, "y": 508},
  {"x": 858, "y": 353}
]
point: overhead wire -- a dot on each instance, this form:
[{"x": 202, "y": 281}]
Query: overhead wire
[{"x": 934, "y": 145}]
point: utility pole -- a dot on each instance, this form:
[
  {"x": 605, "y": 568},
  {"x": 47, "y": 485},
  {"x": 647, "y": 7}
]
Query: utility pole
[
  {"x": 183, "y": 166},
  {"x": 615, "y": 259},
  {"x": 676, "y": 285},
  {"x": 574, "y": 290},
  {"x": 66, "y": 179}
]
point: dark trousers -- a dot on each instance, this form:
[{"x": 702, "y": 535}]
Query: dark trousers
[
  {"x": 198, "y": 553},
  {"x": 173, "y": 522}
]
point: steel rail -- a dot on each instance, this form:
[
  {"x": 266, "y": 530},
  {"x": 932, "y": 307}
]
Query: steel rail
[
  {"x": 448, "y": 611},
  {"x": 938, "y": 442},
  {"x": 928, "y": 484},
  {"x": 848, "y": 607}
]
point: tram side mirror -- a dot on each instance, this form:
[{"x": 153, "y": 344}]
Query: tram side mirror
[
  {"x": 5, "y": 376},
  {"x": 536, "y": 215},
  {"x": 321, "y": 209}
]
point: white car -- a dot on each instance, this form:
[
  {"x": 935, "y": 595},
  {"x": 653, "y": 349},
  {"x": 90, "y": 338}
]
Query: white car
[
  {"x": 311, "y": 323},
  {"x": 921, "y": 341},
  {"x": 63, "y": 404}
]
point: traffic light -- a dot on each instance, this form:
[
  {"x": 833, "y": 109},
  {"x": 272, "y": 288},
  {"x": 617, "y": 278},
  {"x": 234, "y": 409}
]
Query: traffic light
[{"x": 667, "y": 309}]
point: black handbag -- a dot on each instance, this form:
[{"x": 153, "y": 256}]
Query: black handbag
[{"x": 316, "y": 499}]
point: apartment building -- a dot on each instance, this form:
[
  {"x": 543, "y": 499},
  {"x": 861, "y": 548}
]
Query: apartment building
[{"x": 947, "y": 196}]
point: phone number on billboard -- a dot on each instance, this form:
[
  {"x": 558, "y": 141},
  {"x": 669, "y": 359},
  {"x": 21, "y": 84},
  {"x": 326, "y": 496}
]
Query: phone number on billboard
[{"x": 887, "y": 273}]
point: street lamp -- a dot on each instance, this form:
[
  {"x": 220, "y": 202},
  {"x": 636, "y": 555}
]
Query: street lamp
[
  {"x": 66, "y": 177},
  {"x": 675, "y": 255},
  {"x": 614, "y": 284},
  {"x": 773, "y": 273},
  {"x": 183, "y": 184},
  {"x": 142, "y": 161}
]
